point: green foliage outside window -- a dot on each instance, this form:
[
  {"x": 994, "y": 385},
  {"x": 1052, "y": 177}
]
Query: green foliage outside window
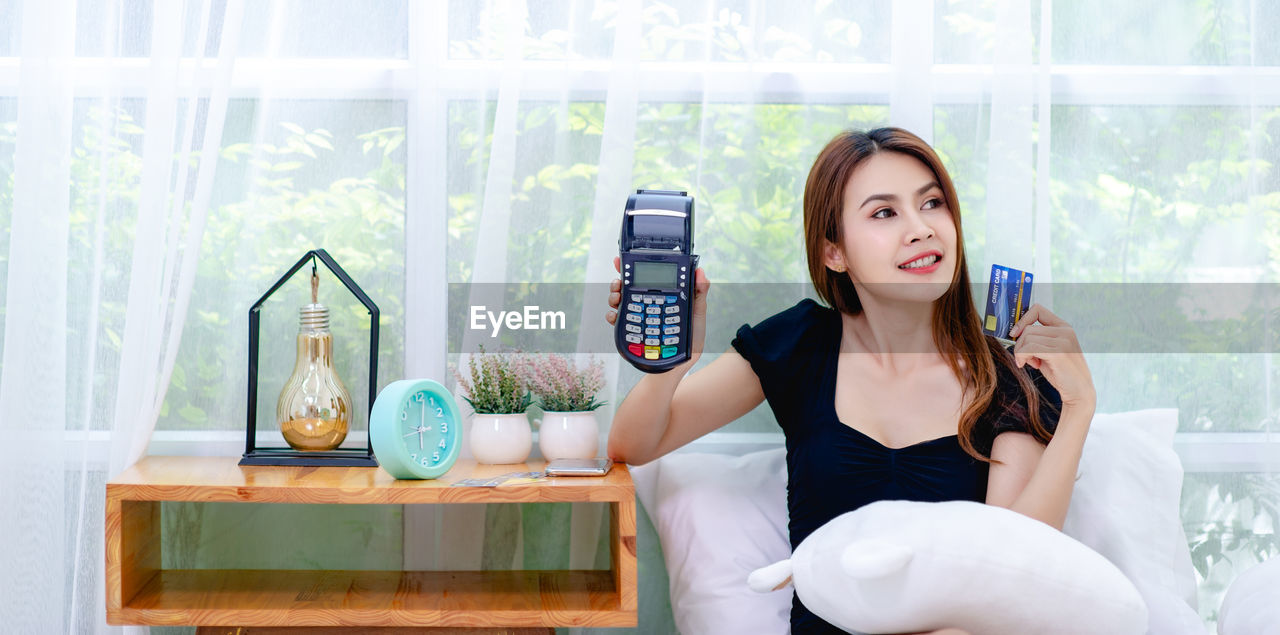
[{"x": 248, "y": 244}]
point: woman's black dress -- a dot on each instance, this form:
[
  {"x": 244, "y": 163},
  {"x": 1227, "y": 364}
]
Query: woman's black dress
[{"x": 833, "y": 468}]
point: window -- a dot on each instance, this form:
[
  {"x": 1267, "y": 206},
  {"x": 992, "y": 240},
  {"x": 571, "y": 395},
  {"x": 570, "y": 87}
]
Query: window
[{"x": 419, "y": 141}]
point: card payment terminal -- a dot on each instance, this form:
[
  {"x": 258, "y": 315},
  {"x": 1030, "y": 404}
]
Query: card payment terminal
[{"x": 656, "y": 250}]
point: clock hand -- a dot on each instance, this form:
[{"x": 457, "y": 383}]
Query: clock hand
[{"x": 421, "y": 427}]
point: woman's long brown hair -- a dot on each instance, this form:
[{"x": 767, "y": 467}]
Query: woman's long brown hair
[{"x": 957, "y": 331}]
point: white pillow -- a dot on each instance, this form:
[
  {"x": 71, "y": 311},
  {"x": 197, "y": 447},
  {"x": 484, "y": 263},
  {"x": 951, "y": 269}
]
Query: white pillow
[
  {"x": 901, "y": 566},
  {"x": 1125, "y": 506},
  {"x": 1252, "y": 603},
  {"x": 720, "y": 517}
]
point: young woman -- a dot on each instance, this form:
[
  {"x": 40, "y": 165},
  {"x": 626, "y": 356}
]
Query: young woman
[{"x": 892, "y": 391}]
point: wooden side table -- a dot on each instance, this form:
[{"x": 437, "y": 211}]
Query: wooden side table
[{"x": 141, "y": 591}]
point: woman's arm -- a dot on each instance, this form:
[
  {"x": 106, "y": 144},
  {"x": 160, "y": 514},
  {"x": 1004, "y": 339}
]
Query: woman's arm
[
  {"x": 666, "y": 411},
  {"x": 1031, "y": 479},
  {"x": 1035, "y": 480}
]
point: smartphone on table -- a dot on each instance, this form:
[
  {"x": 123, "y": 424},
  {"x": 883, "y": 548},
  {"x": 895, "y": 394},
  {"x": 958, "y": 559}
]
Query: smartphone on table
[{"x": 579, "y": 467}]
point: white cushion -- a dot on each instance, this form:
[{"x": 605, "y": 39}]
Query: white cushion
[
  {"x": 1252, "y": 603},
  {"x": 708, "y": 506},
  {"x": 720, "y": 517},
  {"x": 901, "y": 566},
  {"x": 1126, "y": 506}
]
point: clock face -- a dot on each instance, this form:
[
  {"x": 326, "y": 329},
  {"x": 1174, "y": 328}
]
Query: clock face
[{"x": 416, "y": 429}]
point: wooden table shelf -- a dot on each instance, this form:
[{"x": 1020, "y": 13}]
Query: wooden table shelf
[{"x": 141, "y": 591}]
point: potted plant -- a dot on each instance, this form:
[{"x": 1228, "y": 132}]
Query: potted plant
[
  {"x": 567, "y": 395},
  {"x": 497, "y": 387}
]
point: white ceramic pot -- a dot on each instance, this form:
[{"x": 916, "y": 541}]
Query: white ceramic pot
[
  {"x": 499, "y": 439},
  {"x": 568, "y": 435}
]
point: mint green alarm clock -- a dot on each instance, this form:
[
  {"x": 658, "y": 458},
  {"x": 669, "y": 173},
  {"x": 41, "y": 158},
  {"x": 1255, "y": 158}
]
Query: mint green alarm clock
[{"x": 415, "y": 429}]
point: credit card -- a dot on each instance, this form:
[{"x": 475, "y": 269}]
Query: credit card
[{"x": 1008, "y": 298}]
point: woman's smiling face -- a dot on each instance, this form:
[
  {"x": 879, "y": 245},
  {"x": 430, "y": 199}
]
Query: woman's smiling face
[{"x": 894, "y": 212}]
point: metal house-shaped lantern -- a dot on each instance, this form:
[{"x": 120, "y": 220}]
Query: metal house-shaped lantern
[{"x": 341, "y": 457}]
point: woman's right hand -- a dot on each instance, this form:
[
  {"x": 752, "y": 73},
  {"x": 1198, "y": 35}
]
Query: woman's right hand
[{"x": 697, "y": 322}]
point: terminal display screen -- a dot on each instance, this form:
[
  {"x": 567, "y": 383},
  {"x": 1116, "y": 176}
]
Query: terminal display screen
[{"x": 654, "y": 275}]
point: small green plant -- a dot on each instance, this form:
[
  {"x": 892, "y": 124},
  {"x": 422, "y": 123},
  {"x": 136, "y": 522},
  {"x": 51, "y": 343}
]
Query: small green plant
[
  {"x": 496, "y": 383},
  {"x": 561, "y": 386}
]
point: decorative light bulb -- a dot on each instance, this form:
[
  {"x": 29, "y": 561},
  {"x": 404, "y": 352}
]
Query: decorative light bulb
[{"x": 314, "y": 409}]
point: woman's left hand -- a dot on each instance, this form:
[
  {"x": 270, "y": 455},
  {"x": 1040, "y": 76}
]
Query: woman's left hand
[{"x": 1047, "y": 343}]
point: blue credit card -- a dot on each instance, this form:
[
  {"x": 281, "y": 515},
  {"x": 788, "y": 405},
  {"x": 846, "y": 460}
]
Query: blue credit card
[{"x": 1008, "y": 297}]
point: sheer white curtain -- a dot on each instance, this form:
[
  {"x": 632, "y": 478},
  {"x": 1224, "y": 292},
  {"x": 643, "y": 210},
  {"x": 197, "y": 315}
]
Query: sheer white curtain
[
  {"x": 512, "y": 536},
  {"x": 155, "y": 178},
  {"x": 62, "y": 380},
  {"x": 33, "y": 380}
]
